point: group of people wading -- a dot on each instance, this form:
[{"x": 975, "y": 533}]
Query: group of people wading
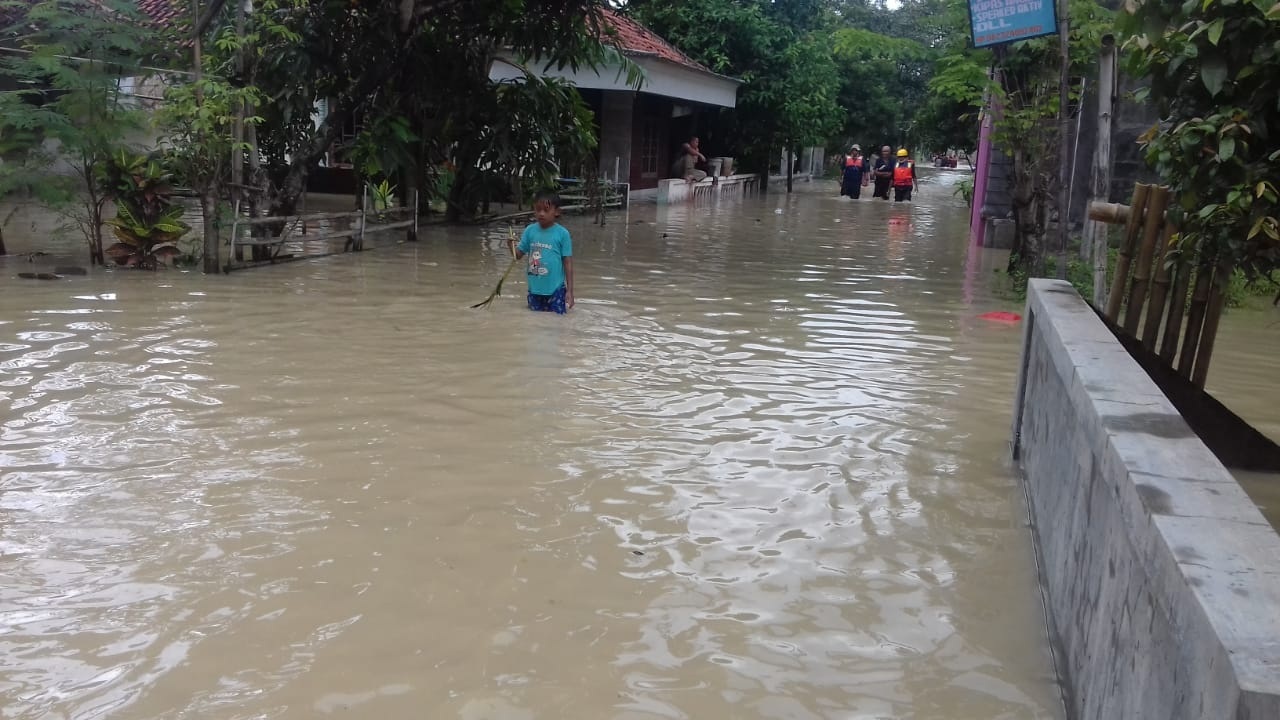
[{"x": 887, "y": 172}]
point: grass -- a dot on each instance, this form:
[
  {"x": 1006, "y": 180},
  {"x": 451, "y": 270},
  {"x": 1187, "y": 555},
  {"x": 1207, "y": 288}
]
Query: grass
[{"x": 1013, "y": 285}]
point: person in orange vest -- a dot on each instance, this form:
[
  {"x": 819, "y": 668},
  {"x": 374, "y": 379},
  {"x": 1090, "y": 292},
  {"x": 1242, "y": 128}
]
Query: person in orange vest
[
  {"x": 854, "y": 175},
  {"x": 904, "y": 177}
]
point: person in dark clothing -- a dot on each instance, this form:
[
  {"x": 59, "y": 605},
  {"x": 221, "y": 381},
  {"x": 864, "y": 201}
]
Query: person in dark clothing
[
  {"x": 884, "y": 173},
  {"x": 854, "y": 176}
]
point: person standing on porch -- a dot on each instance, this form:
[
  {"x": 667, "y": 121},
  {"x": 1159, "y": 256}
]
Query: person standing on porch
[{"x": 686, "y": 163}]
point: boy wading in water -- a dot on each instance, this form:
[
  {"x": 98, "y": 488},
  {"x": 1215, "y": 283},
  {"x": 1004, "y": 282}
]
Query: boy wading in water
[{"x": 550, "y": 251}]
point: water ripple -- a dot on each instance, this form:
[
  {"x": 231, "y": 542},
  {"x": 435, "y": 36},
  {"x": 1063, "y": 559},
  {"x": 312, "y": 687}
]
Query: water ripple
[{"x": 759, "y": 472}]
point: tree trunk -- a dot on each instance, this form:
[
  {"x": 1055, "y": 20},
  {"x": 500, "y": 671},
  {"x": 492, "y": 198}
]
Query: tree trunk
[
  {"x": 295, "y": 178},
  {"x": 1027, "y": 216},
  {"x": 791, "y": 166},
  {"x": 93, "y": 212},
  {"x": 209, "y": 213}
]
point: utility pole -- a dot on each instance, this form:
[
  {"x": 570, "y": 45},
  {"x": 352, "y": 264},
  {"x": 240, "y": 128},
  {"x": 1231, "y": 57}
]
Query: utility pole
[
  {"x": 1095, "y": 241},
  {"x": 1064, "y": 131}
]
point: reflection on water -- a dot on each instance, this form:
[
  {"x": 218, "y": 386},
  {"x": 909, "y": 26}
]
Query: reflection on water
[{"x": 761, "y": 472}]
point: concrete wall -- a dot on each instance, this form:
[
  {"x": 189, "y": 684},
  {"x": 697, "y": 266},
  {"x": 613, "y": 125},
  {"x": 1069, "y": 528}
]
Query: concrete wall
[
  {"x": 679, "y": 190},
  {"x": 1163, "y": 578},
  {"x": 1128, "y": 167}
]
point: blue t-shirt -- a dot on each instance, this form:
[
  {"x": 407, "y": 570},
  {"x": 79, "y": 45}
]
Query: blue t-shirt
[{"x": 545, "y": 251}]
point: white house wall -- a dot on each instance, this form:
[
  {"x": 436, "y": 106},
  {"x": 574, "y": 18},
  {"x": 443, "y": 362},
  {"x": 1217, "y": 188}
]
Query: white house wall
[
  {"x": 660, "y": 78},
  {"x": 676, "y": 81}
]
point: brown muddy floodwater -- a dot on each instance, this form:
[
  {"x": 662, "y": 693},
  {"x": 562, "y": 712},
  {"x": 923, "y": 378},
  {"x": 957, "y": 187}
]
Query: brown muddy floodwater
[
  {"x": 760, "y": 472},
  {"x": 1242, "y": 376}
]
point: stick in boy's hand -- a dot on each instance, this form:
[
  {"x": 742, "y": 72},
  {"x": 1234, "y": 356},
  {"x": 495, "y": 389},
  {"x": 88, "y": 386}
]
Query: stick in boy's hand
[{"x": 511, "y": 244}]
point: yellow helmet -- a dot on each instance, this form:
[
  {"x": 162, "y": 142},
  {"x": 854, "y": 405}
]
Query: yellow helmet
[{"x": 903, "y": 153}]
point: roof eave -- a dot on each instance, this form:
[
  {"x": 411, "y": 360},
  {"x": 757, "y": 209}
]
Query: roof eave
[{"x": 686, "y": 66}]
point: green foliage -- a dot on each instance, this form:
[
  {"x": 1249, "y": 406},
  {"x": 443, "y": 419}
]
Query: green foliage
[
  {"x": 145, "y": 218},
  {"x": 197, "y": 122},
  {"x": 1214, "y": 73},
  {"x": 385, "y": 146},
  {"x": 67, "y": 64},
  {"x": 964, "y": 189},
  {"x": 1079, "y": 274},
  {"x": 1240, "y": 289},
  {"x": 782, "y": 53},
  {"x": 512, "y": 141},
  {"x": 413, "y": 78},
  {"x": 1025, "y": 91},
  {"x": 383, "y": 196}
]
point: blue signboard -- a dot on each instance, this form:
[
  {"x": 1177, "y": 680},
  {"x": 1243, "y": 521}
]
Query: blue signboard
[{"x": 1000, "y": 21}]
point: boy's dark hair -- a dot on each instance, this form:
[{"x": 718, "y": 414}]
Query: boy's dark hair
[{"x": 549, "y": 197}]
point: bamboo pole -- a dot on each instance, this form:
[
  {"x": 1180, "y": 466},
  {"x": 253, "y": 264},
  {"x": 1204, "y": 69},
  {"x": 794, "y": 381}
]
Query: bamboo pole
[
  {"x": 1151, "y": 232},
  {"x": 1217, "y": 303},
  {"x": 1159, "y": 289},
  {"x": 364, "y": 215},
  {"x": 1133, "y": 227},
  {"x": 1177, "y": 307},
  {"x": 1195, "y": 319},
  {"x": 1109, "y": 213},
  {"x": 313, "y": 217}
]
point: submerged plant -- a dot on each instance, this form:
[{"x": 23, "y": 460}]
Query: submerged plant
[
  {"x": 147, "y": 224},
  {"x": 383, "y": 195}
]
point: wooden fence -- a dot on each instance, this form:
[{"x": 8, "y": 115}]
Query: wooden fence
[{"x": 296, "y": 228}]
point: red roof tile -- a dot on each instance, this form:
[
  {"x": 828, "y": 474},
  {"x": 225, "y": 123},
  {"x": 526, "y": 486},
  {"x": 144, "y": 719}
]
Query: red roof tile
[
  {"x": 163, "y": 12},
  {"x": 632, "y": 37},
  {"x": 636, "y": 39}
]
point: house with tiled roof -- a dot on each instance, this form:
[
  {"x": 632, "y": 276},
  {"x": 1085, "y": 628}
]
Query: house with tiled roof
[{"x": 642, "y": 129}]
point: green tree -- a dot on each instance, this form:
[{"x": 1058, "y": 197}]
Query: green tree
[
  {"x": 883, "y": 84},
  {"x": 1214, "y": 73},
  {"x": 422, "y": 65},
  {"x": 70, "y": 107},
  {"x": 782, "y": 53},
  {"x": 197, "y": 123},
  {"x": 1025, "y": 90}
]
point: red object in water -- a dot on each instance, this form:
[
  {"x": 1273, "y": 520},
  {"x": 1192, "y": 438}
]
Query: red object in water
[{"x": 1001, "y": 316}]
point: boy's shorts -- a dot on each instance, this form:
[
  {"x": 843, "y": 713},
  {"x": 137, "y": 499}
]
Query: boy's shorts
[{"x": 554, "y": 302}]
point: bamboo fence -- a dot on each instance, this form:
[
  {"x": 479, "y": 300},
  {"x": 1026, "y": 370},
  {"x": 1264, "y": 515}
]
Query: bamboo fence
[{"x": 1153, "y": 298}]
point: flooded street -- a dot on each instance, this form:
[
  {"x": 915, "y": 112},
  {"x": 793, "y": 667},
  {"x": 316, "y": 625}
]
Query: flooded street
[{"x": 760, "y": 472}]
